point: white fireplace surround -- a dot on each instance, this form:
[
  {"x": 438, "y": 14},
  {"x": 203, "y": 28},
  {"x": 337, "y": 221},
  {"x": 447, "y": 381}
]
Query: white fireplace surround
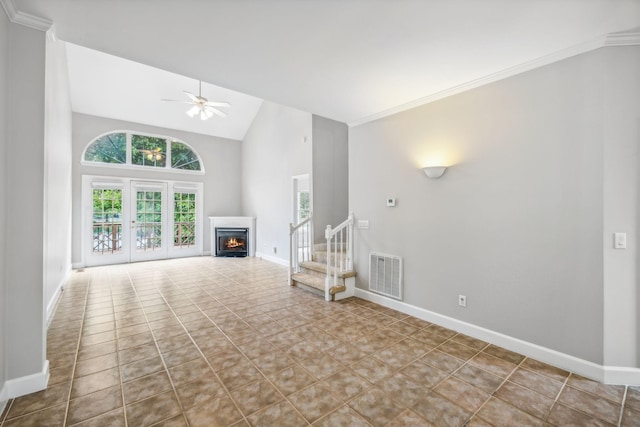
[{"x": 233, "y": 222}]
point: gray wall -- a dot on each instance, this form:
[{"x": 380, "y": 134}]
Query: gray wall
[
  {"x": 57, "y": 183},
  {"x": 516, "y": 224},
  {"x": 330, "y": 174},
  {"x": 221, "y": 158},
  {"x": 24, "y": 163},
  {"x": 273, "y": 151},
  {"x": 621, "y": 137},
  {"x": 4, "y": 71}
]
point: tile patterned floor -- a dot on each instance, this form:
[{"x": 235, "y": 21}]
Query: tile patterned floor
[{"x": 211, "y": 341}]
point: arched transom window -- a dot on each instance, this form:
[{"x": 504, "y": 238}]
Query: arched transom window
[{"x": 140, "y": 150}]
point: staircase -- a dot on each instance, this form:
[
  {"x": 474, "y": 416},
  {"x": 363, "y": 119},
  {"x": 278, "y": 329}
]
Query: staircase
[{"x": 326, "y": 267}]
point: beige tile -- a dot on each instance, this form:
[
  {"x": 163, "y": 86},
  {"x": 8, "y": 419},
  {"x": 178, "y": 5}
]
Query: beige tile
[
  {"x": 402, "y": 389},
  {"x": 322, "y": 366},
  {"x": 146, "y": 387},
  {"x": 544, "y": 369},
  {"x": 60, "y": 375},
  {"x": 291, "y": 379},
  {"x": 499, "y": 413},
  {"x": 525, "y": 399},
  {"x": 474, "y": 343},
  {"x": 372, "y": 369},
  {"x": 314, "y": 402},
  {"x": 218, "y": 411},
  {"x": 478, "y": 378},
  {"x": 590, "y": 404},
  {"x": 93, "y": 382},
  {"x": 633, "y": 397},
  {"x": 94, "y": 404},
  {"x": 495, "y": 365},
  {"x": 255, "y": 396},
  {"x": 140, "y": 368},
  {"x": 156, "y": 408},
  {"x": 630, "y": 417},
  {"x": 346, "y": 384},
  {"x": 239, "y": 375},
  {"x": 50, "y": 417},
  {"x": 181, "y": 355},
  {"x": 96, "y": 364},
  {"x": 376, "y": 407},
  {"x": 463, "y": 394},
  {"x": 52, "y": 396},
  {"x": 135, "y": 340},
  {"x": 273, "y": 362},
  {"x": 503, "y": 353},
  {"x": 457, "y": 350},
  {"x": 89, "y": 352},
  {"x": 133, "y": 354},
  {"x": 114, "y": 418},
  {"x": 189, "y": 372},
  {"x": 344, "y": 416},
  {"x": 199, "y": 391},
  {"x": 423, "y": 374},
  {"x": 442, "y": 361},
  {"x": 409, "y": 419},
  {"x": 564, "y": 416},
  {"x": 536, "y": 382},
  {"x": 614, "y": 393},
  {"x": 282, "y": 414}
]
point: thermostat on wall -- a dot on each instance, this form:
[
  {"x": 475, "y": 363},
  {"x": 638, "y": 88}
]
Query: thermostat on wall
[{"x": 391, "y": 201}]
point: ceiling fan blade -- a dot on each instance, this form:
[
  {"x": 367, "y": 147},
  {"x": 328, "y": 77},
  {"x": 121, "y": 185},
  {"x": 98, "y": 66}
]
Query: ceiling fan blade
[
  {"x": 216, "y": 111},
  {"x": 191, "y": 96},
  {"x": 178, "y": 101},
  {"x": 217, "y": 104},
  {"x": 205, "y": 114},
  {"x": 193, "y": 111}
]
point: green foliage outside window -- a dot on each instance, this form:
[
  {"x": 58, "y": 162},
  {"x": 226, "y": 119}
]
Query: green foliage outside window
[{"x": 111, "y": 148}]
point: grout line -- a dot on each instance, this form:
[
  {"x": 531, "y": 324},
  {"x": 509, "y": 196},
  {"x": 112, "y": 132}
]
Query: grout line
[
  {"x": 117, "y": 338},
  {"x": 624, "y": 400},
  {"x": 80, "y": 336}
]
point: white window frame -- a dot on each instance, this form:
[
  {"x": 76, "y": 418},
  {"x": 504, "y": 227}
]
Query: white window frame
[{"x": 128, "y": 165}]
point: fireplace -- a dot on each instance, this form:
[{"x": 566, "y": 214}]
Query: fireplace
[{"x": 232, "y": 241}]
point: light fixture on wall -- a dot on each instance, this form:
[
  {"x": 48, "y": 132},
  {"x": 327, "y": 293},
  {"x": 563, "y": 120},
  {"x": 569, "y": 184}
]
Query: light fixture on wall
[{"x": 434, "y": 171}]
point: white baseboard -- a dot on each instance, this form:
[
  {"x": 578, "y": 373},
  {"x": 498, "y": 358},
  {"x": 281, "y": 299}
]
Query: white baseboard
[
  {"x": 25, "y": 385},
  {"x": 77, "y": 265},
  {"x": 606, "y": 374},
  {"x": 272, "y": 259},
  {"x": 51, "y": 307}
]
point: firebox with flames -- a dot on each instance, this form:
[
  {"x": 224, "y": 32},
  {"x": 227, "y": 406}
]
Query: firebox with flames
[{"x": 234, "y": 243}]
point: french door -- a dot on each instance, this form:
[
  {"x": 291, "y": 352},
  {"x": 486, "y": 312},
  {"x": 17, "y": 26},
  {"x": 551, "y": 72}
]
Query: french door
[{"x": 126, "y": 220}]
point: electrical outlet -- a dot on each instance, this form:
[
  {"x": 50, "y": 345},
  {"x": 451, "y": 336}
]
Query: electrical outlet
[
  {"x": 462, "y": 300},
  {"x": 275, "y": 250}
]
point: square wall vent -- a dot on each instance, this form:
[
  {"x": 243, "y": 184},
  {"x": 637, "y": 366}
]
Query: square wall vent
[{"x": 385, "y": 275}]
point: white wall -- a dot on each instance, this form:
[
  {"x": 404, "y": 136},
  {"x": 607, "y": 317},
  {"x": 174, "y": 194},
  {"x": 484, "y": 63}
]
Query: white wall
[
  {"x": 277, "y": 147},
  {"x": 57, "y": 170},
  {"x": 24, "y": 164},
  {"x": 221, "y": 158},
  {"x": 330, "y": 174},
  {"x": 516, "y": 224},
  {"x": 4, "y": 71}
]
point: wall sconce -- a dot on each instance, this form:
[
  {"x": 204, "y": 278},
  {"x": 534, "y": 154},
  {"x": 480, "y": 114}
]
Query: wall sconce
[{"x": 434, "y": 171}]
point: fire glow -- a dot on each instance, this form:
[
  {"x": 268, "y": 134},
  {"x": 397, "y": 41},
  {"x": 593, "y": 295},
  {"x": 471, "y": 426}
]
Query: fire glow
[{"x": 234, "y": 243}]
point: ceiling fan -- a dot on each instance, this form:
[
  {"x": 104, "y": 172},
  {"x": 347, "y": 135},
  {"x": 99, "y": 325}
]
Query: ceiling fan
[{"x": 201, "y": 106}]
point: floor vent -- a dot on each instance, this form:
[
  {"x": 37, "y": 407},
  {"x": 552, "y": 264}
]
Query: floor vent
[{"x": 385, "y": 275}]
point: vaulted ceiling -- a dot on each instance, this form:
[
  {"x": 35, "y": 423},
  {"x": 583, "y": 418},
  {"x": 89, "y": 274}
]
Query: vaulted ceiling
[{"x": 348, "y": 60}]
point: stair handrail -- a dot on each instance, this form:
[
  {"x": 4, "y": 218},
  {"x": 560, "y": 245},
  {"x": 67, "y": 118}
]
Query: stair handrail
[
  {"x": 342, "y": 262},
  {"x": 297, "y": 249}
]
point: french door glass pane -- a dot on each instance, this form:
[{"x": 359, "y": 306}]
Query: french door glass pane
[
  {"x": 107, "y": 221},
  {"x": 184, "y": 220},
  {"x": 148, "y": 221}
]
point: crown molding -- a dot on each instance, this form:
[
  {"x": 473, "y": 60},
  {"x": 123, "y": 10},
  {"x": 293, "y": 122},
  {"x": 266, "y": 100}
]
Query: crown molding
[
  {"x": 625, "y": 38},
  {"x": 26, "y": 19}
]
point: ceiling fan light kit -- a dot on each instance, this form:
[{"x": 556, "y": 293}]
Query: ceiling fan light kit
[{"x": 201, "y": 106}]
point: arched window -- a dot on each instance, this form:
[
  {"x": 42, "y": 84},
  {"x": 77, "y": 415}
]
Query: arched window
[{"x": 139, "y": 150}]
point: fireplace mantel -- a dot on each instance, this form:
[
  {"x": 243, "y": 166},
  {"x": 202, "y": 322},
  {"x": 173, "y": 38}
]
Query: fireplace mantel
[{"x": 233, "y": 221}]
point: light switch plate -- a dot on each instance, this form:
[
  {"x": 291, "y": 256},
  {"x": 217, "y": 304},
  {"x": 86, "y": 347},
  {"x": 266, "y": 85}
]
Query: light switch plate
[
  {"x": 363, "y": 224},
  {"x": 620, "y": 240}
]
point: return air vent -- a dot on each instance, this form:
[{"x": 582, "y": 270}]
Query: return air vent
[{"x": 385, "y": 275}]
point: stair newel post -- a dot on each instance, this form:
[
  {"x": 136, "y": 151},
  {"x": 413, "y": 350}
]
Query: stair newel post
[
  {"x": 327, "y": 280},
  {"x": 293, "y": 250},
  {"x": 350, "y": 242}
]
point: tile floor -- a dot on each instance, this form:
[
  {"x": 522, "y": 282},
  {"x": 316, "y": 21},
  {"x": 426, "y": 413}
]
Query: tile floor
[{"x": 224, "y": 341}]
